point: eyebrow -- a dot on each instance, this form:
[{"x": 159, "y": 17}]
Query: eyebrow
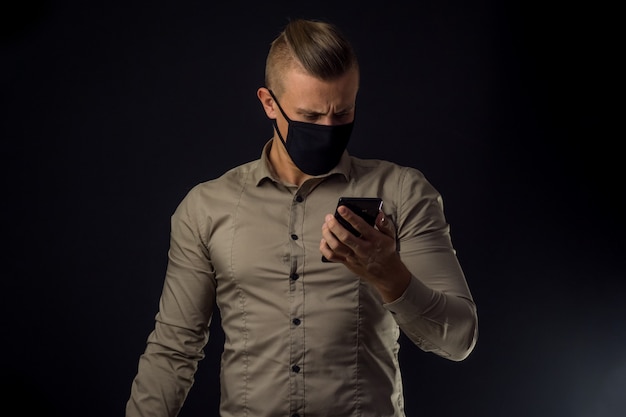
[{"x": 316, "y": 113}]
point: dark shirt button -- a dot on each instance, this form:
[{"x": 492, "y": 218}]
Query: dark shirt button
[
  {"x": 296, "y": 321},
  {"x": 295, "y": 368},
  {"x": 299, "y": 198},
  {"x": 294, "y": 237},
  {"x": 294, "y": 276}
]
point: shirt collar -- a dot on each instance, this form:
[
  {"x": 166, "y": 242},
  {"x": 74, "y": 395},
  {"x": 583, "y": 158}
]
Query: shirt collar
[{"x": 264, "y": 171}]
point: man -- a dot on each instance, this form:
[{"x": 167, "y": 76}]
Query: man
[{"x": 305, "y": 337}]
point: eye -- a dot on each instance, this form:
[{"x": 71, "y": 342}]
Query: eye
[
  {"x": 343, "y": 115},
  {"x": 311, "y": 117}
]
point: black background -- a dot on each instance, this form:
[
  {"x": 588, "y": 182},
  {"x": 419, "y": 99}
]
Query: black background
[{"x": 112, "y": 111}]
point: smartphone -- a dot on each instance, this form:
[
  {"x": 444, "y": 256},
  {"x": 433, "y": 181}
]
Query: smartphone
[{"x": 366, "y": 207}]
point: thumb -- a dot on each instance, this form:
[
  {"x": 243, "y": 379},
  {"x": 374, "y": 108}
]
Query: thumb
[{"x": 384, "y": 224}]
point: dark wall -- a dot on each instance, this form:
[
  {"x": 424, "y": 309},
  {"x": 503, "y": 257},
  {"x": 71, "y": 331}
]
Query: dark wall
[{"x": 112, "y": 112}]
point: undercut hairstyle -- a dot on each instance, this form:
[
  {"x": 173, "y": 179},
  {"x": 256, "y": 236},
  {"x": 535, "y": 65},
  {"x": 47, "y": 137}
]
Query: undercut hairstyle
[{"x": 318, "y": 48}]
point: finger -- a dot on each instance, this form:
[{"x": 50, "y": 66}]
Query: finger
[
  {"x": 327, "y": 254},
  {"x": 331, "y": 244},
  {"x": 328, "y": 235},
  {"x": 358, "y": 224},
  {"x": 384, "y": 224}
]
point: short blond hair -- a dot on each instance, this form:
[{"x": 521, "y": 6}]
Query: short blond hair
[{"x": 318, "y": 48}]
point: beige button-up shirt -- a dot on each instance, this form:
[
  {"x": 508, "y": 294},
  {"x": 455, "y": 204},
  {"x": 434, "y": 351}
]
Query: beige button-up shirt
[{"x": 303, "y": 338}]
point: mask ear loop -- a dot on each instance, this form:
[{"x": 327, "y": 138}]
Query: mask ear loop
[{"x": 274, "y": 120}]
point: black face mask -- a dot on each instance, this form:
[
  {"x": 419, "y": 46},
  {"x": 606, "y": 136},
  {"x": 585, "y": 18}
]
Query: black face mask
[{"x": 315, "y": 149}]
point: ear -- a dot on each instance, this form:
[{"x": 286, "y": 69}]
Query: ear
[{"x": 267, "y": 102}]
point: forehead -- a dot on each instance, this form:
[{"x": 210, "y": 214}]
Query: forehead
[{"x": 302, "y": 89}]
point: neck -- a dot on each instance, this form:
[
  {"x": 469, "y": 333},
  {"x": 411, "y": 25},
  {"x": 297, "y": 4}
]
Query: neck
[{"x": 283, "y": 166}]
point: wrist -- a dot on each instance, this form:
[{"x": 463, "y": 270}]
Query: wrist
[{"x": 394, "y": 284}]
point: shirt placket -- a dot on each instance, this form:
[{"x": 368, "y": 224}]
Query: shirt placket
[{"x": 296, "y": 307}]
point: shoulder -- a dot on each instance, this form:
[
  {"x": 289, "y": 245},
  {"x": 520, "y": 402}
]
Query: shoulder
[
  {"x": 389, "y": 172},
  {"x": 365, "y": 165},
  {"x": 404, "y": 189},
  {"x": 221, "y": 191},
  {"x": 229, "y": 181}
]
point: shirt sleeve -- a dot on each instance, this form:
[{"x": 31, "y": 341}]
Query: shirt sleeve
[
  {"x": 166, "y": 368},
  {"x": 436, "y": 311}
]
